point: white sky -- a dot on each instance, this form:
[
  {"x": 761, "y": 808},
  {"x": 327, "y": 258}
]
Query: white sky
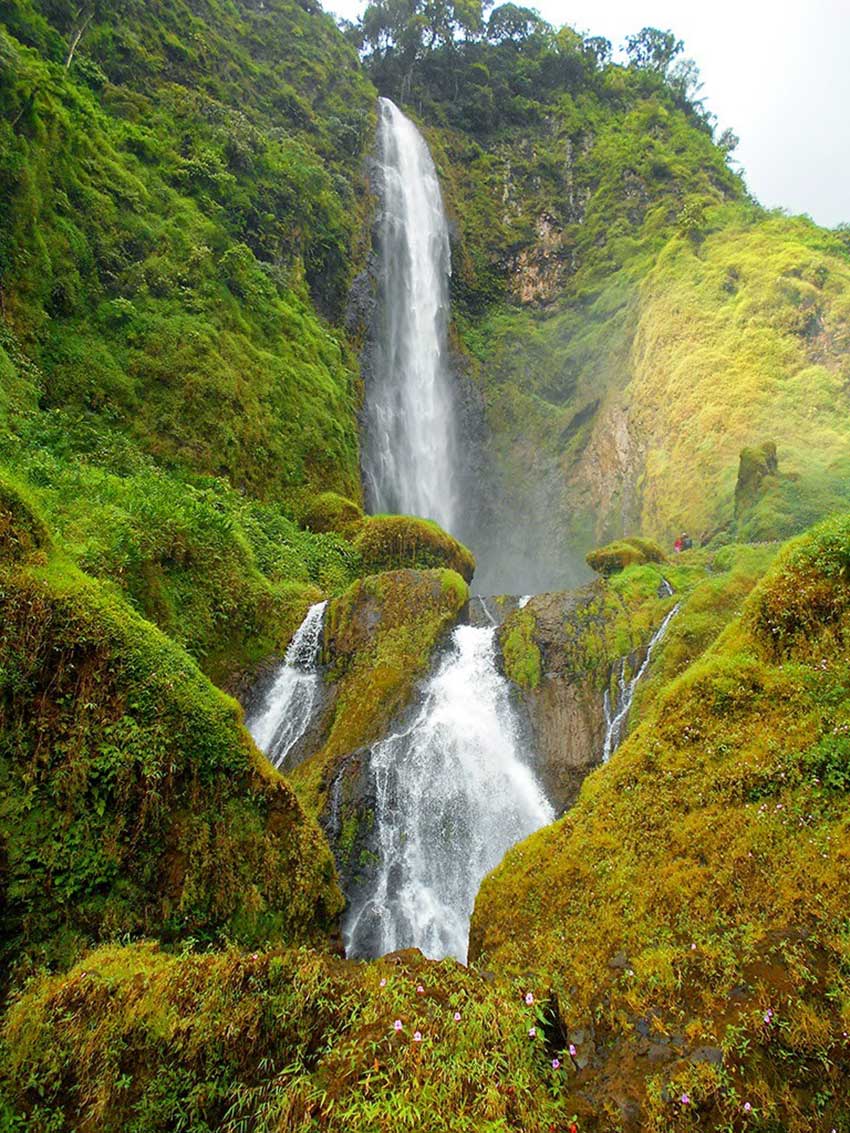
[{"x": 777, "y": 72}]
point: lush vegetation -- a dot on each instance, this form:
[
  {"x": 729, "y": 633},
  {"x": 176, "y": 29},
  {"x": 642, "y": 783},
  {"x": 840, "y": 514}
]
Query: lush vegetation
[
  {"x": 183, "y": 209},
  {"x": 691, "y": 909}
]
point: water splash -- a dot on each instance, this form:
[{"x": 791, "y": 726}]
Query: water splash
[
  {"x": 452, "y": 795},
  {"x": 408, "y": 441},
  {"x": 287, "y": 709},
  {"x": 616, "y": 716}
]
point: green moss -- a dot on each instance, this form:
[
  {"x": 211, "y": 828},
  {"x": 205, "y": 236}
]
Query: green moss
[
  {"x": 330, "y": 512},
  {"x": 625, "y": 552},
  {"x": 389, "y": 542},
  {"x": 133, "y": 800},
  {"x": 699, "y": 879},
  {"x": 519, "y": 651}
]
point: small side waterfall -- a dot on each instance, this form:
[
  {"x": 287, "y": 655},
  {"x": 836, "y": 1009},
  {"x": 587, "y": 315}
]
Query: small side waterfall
[
  {"x": 408, "y": 441},
  {"x": 452, "y": 795},
  {"x": 617, "y": 715},
  {"x": 287, "y": 709}
]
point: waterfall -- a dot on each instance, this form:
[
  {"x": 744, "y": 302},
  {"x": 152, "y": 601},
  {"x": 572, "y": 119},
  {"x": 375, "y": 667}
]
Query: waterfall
[
  {"x": 616, "y": 715},
  {"x": 408, "y": 441},
  {"x": 287, "y": 709},
  {"x": 452, "y": 795}
]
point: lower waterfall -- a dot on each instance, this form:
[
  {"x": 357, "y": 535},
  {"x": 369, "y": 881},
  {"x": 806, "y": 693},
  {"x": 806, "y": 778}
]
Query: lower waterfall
[
  {"x": 287, "y": 708},
  {"x": 452, "y": 795}
]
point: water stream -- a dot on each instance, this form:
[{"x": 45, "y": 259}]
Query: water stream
[
  {"x": 452, "y": 795},
  {"x": 409, "y": 415},
  {"x": 287, "y": 708},
  {"x": 617, "y": 714}
]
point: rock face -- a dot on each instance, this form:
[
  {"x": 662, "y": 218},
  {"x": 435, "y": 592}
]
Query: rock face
[{"x": 561, "y": 691}]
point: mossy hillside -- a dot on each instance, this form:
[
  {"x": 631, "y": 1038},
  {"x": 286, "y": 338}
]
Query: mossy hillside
[
  {"x": 379, "y": 639},
  {"x": 693, "y": 903},
  {"x": 743, "y": 337},
  {"x": 157, "y": 240},
  {"x": 133, "y": 801},
  {"x": 138, "y": 1041},
  {"x": 224, "y": 575}
]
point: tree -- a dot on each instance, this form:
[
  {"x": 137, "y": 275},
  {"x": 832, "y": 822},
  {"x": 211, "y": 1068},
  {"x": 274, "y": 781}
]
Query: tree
[
  {"x": 728, "y": 141},
  {"x": 409, "y": 27},
  {"x": 511, "y": 23},
  {"x": 598, "y": 49},
  {"x": 653, "y": 50}
]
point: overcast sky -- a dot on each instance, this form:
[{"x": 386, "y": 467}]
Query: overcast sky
[{"x": 777, "y": 72}]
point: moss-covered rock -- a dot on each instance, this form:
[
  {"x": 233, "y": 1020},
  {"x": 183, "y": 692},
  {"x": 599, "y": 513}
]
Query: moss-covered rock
[
  {"x": 379, "y": 638},
  {"x": 331, "y": 512},
  {"x": 520, "y": 654},
  {"x": 625, "y": 552},
  {"x": 133, "y": 801},
  {"x": 390, "y": 542},
  {"x": 689, "y": 912}
]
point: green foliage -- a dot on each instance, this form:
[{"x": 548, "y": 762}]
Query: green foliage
[{"x": 143, "y": 1042}]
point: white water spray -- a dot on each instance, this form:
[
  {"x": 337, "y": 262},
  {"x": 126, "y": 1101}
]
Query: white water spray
[
  {"x": 287, "y": 710},
  {"x": 408, "y": 443},
  {"x": 452, "y": 795},
  {"x": 617, "y": 715}
]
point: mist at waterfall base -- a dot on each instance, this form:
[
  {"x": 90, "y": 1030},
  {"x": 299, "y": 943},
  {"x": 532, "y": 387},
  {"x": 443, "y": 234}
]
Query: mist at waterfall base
[
  {"x": 452, "y": 795},
  {"x": 287, "y": 709},
  {"x": 423, "y": 431}
]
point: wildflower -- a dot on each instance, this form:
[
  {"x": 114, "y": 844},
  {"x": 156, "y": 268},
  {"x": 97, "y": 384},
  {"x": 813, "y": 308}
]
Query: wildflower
[
  {"x": 572, "y": 1051},
  {"x": 420, "y": 990},
  {"x": 556, "y": 1065},
  {"x": 532, "y": 1032},
  {"x": 685, "y": 1099},
  {"x": 529, "y": 998},
  {"x": 383, "y": 983},
  {"x": 693, "y": 948},
  {"x": 253, "y": 955},
  {"x": 397, "y": 1024},
  {"x": 417, "y": 1036},
  {"x": 747, "y": 1107},
  {"x": 457, "y": 1016}
]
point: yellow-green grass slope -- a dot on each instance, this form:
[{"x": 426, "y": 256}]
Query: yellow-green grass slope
[
  {"x": 690, "y": 914},
  {"x": 626, "y": 407},
  {"x": 132, "y": 800}
]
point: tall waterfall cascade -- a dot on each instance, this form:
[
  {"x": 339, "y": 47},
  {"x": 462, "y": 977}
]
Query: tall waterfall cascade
[
  {"x": 452, "y": 795},
  {"x": 617, "y": 714},
  {"x": 409, "y": 449},
  {"x": 288, "y": 706}
]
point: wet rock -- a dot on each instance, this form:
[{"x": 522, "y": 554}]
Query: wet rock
[{"x": 710, "y": 1054}]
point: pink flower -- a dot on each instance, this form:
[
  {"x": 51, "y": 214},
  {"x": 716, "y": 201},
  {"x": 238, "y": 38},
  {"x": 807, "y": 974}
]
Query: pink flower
[
  {"x": 532, "y": 1031},
  {"x": 572, "y": 1051},
  {"x": 685, "y": 1100},
  {"x": 556, "y": 1065},
  {"x": 417, "y": 1036},
  {"x": 457, "y": 1016},
  {"x": 747, "y": 1107},
  {"x": 529, "y": 998},
  {"x": 383, "y": 983},
  {"x": 397, "y": 1024},
  {"x": 420, "y": 989}
]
